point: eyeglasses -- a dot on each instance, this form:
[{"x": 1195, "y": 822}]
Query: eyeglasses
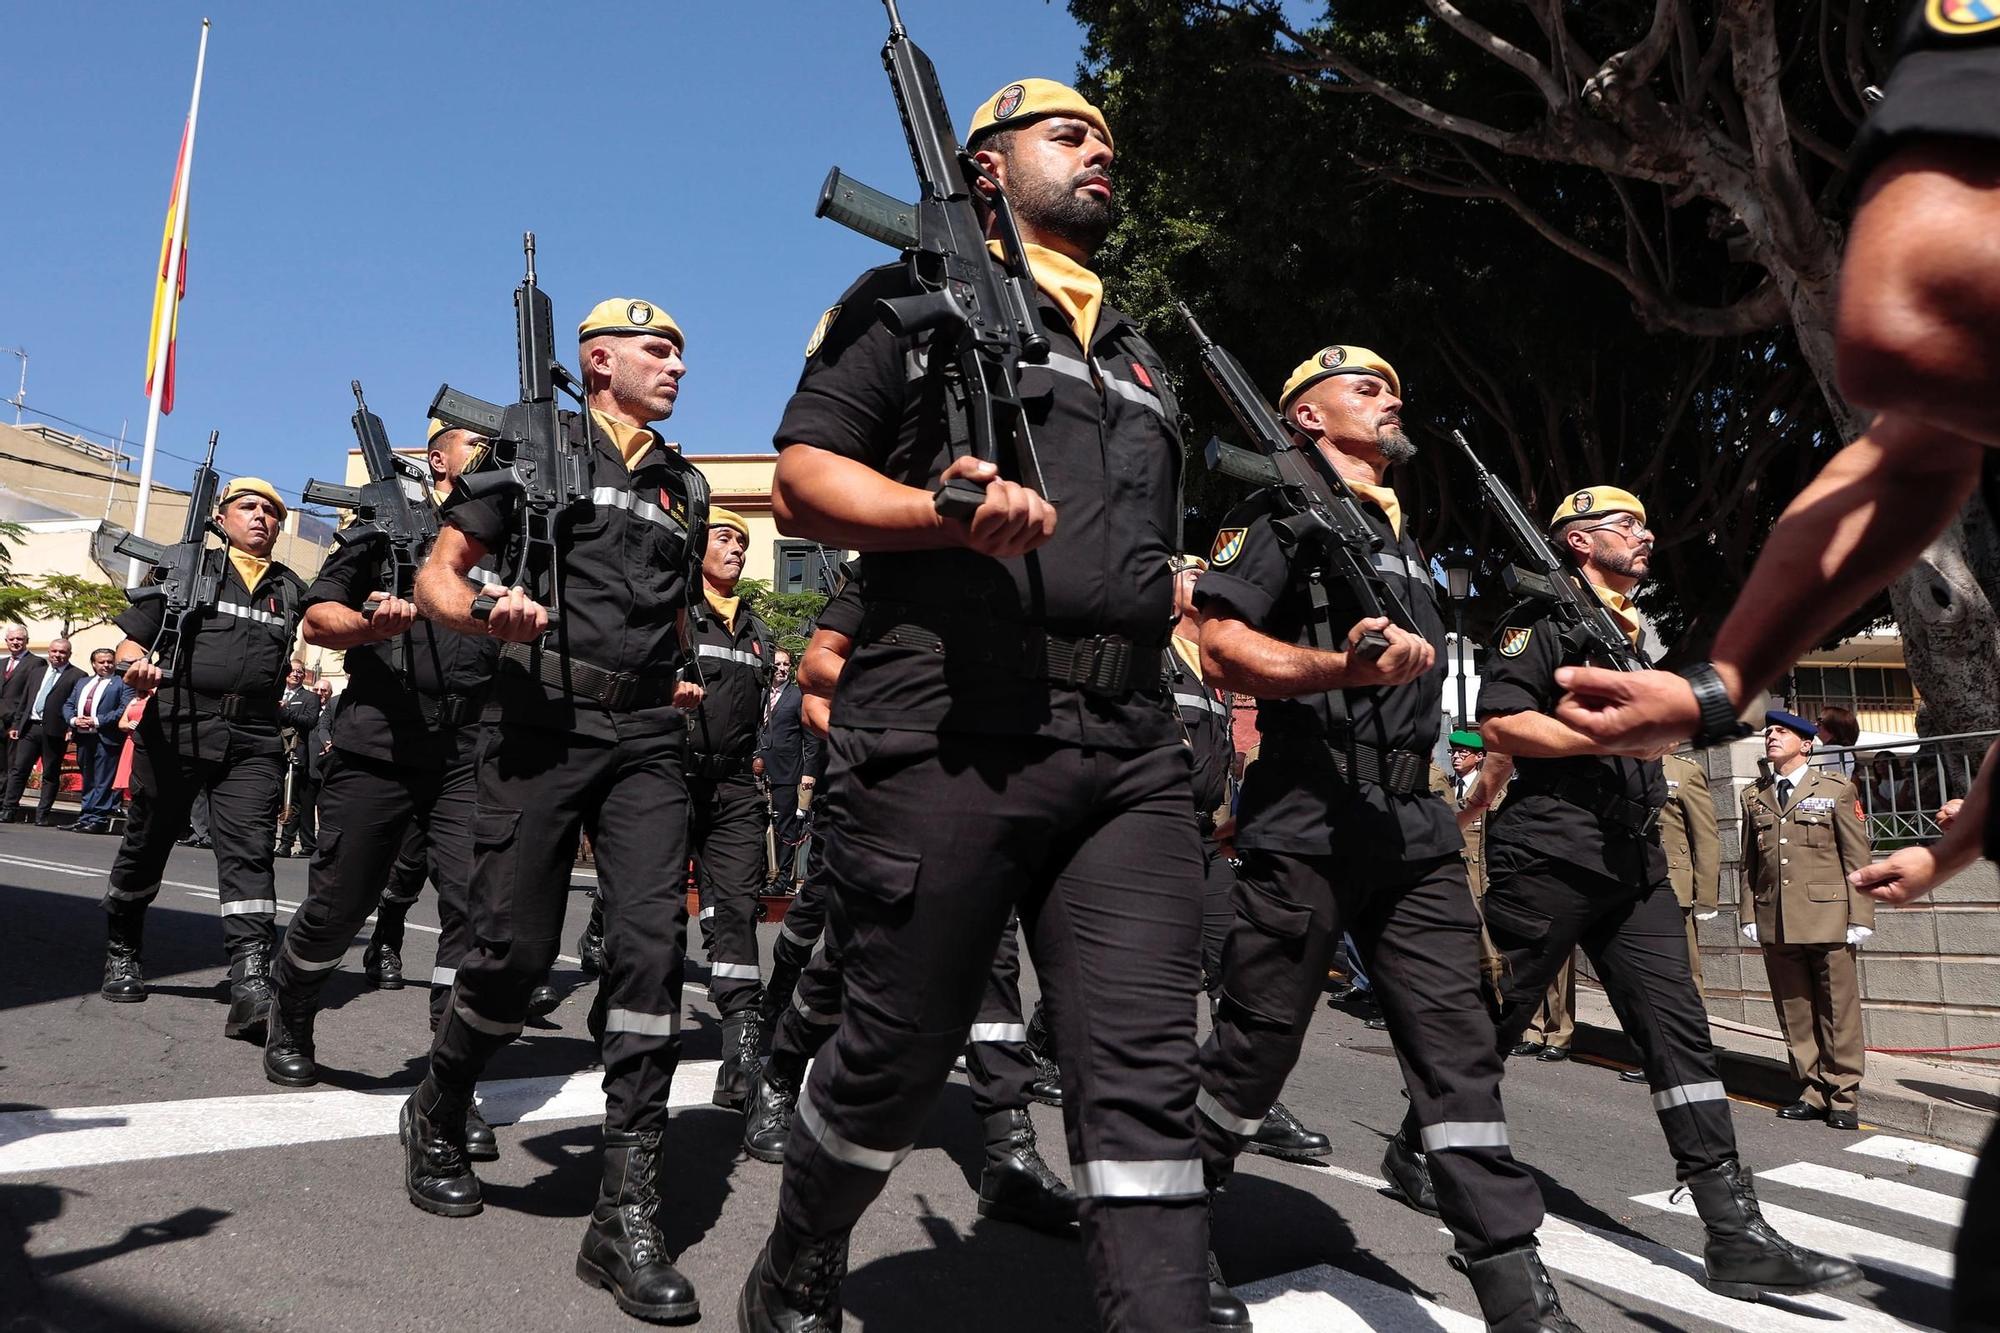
[{"x": 1626, "y": 525}]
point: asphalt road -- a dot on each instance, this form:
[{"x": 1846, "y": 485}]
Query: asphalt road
[{"x": 151, "y": 1180}]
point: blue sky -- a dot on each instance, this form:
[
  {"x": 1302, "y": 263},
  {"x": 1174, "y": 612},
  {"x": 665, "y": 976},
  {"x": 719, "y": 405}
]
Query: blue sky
[{"x": 364, "y": 171}]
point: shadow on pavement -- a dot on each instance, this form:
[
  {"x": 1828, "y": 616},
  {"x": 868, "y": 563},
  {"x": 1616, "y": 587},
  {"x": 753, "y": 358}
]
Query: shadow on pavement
[
  {"x": 27, "y": 1306},
  {"x": 995, "y": 1278},
  {"x": 57, "y": 943}
]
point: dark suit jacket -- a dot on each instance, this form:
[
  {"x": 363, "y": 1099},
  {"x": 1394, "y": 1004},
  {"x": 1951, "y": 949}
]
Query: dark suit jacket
[
  {"x": 53, "y": 721},
  {"x": 787, "y": 747},
  {"x": 10, "y": 689},
  {"x": 110, "y": 705},
  {"x": 298, "y": 719},
  {"x": 320, "y": 738}
]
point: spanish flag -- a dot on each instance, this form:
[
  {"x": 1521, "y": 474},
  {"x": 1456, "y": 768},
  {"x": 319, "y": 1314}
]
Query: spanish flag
[{"x": 169, "y": 288}]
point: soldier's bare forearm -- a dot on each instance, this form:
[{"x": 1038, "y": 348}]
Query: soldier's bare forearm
[
  {"x": 1533, "y": 736},
  {"x": 1236, "y": 657}
]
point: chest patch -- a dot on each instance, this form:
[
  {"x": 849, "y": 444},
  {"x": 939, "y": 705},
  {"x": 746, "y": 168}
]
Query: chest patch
[
  {"x": 1514, "y": 642},
  {"x": 1673, "y": 784},
  {"x": 1139, "y": 374},
  {"x": 1228, "y": 545},
  {"x": 1817, "y": 803}
]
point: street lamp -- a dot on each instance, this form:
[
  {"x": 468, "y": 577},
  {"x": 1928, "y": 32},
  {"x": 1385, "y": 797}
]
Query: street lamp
[{"x": 1458, "y": 581}]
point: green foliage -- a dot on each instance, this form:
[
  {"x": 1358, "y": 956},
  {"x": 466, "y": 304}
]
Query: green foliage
[
  {"x": 77, "y": 602},
  {"x": 9, "y": 533},
  {"x": 16, "y": 603},
  {"x": 789, "y": 614}
]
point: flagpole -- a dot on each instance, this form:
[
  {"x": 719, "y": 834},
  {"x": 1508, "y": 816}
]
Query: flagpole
[{"x": 163, "y": 336}]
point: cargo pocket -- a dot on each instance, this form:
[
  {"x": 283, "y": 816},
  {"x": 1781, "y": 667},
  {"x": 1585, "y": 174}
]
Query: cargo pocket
[
  {"x": 495, "y": 852},
  {"x": 870, "y": 881},
  {"x": 1264, "y": 958}
]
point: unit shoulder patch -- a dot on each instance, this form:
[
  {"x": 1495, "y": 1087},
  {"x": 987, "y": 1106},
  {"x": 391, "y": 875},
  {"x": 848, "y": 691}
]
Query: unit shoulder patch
[
  {"x": 1961, "y": 18},
  {"x": 819, "y": 330},
  {"x": 1514, "y": 642},
  {"x": 1228, "y": 545}
]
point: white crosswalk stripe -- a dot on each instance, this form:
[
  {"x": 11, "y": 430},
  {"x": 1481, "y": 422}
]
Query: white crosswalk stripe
[
  {"x": 1911, "y": 1152},
  {"x": 1871, "y": 1249},
  {"x": 1891, "y": 1194},
  {"x": 1323, "y": 1299}
]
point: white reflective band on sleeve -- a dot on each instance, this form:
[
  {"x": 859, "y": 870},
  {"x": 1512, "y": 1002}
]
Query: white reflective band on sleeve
[
  {"x": 1465, "y": 1134},
  {"x": 1066, "y": 365},
  {"x": 1667, "y": 1099},
  {"x": 1201, "y": 701},
  {"x": 1222, "y": 1115},
  {"x": 998, "y": 1032},
  {"x": 805, "y": 942},
  {"x": 1136, "y": 393},
  {"x": 133, "y": 895},
  {"x": 490, "y": 1027},
  {"x": 1137, "y": 1180},
  {"x": 443, "y": 976},
  {"x": 1394, "y": 562},
  {"x": 304, "y": 966},
  {"x": 704, "y": 914},
  {"x": 846, "y": 1150},
  {"x": 250, "y": 906},
  {"x": 728, "y": 654},
  {"x": 632, "y": 504},
  {"x": 242, "y": 612},
  {"x": 735, "y": 971},
  {"x": 811, "y": 1015},
  {"x": 646, "y": 1025}
]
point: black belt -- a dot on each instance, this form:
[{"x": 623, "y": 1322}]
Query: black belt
[
  {"x": 1402, "y": 772},
  {"x": 1635, "y": 817},
  {"x": 618, "y": 691},
  {"x": 448, "y": 710},
  {"x": 717, "y": 767},
  {"x": 232, "y": 707},
  {"x": 1103, "y": 664}
]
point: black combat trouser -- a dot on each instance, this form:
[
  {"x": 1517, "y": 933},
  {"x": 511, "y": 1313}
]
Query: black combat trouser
[
  {"x": 1218, "y": 912},
  {"x": 242, "y": 790},
  {"x": 933, "y": 841},
  {"x": 413, "y": 866},
  {"x": 726, "y": 828},
  {"x": 1419, "y": 936},
  {"x": 1637, "y": 941},
  {"x": 538, "y": 790},
  {"x": 36, "y": 746},
  {"x": 373, "y": 815},
  {"x": 1975, "y": 1293},
  {"x": 786, "y": 829}
]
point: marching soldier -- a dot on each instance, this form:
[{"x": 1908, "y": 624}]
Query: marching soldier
[
  {"x": 1338, "y": 830},
  {"x": 399, "y": 778},
  {"x": 1802, "y": 837},
  {"x": 1005, "y": 682},
  {"x": 583, "y": 730},
  {"x": 1574, "y": 858},
  {"x": 213, "y": 729}
]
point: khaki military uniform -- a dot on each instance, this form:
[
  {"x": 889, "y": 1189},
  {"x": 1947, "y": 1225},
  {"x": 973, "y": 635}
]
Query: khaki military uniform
[
  {"x": 1796, "y": 860},
  {"x": 1694, "y": 847},
  {"x": 1444, "y": 786}
]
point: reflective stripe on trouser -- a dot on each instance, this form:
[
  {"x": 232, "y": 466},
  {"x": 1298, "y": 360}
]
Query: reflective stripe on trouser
[
  {"x": 1418, "y": 935},
  {"x": 243, "y": 786},
  {"x": 997, "y": 1064},
  {"x": 917, "y": 910},
  {"x": 536, "y": 787},
  {"x": 1638, "y": 944},
  {"x": 726, "y": 828}
]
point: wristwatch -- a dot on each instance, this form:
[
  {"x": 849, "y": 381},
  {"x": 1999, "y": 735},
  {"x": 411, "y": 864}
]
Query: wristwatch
[{"x": 1719, "y": 722}]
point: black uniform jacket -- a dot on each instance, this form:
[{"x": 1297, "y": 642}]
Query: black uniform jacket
[
  {"x": 1105, "y": 429},
  {"x": 1536, "y": 828},
  {"x": 1293, "y": 799},
  {"x": 623, "y": 573},
  {"x": 1205, "y": 720},
  {"x": 241, "y": 648},
  {"x": 735, "y": 665},
  {"x": 390, "y": 714}
]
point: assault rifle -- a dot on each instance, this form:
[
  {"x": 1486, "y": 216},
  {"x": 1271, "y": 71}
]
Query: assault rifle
[
  {"x": 1321, "y": 507},
  {"x": 183, "y": 582},
  {"x": 535, "y": 464},
  {"x": 985, "y": 325},
  {"x": 1548, "y": 575}
]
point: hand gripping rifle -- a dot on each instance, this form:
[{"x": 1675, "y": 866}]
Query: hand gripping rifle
[
  {"x": 1548, "y": 575},
  {"x": 984, "y": 323},
  {"x": 393, "y": 504},
  {"x": 1321, "y": 506},
  {"x": 535, "y": 463},
  {"x": 182, "y": 581}
]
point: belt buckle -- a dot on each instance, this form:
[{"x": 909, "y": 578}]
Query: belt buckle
[
  {"x": 621, "y": 688},
  {"x": 1107, "y": 659},
  {"x": 1651, "y": 821},
  {"x": 228, "y": 706}
]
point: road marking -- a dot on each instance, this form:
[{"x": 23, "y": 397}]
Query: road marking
[
  {"x": 1913, "y": 1153},
  {"x": 1324, "y": 1299},
  {"x": 1890, "y": 1194},
  {"x": 1871, "y": 1249},
  {"x": 81, "y": 1136}
]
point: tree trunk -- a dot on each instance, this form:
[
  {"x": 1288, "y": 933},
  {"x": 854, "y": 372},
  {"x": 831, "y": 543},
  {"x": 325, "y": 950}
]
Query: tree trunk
[{"x": 1951, "y": 635}]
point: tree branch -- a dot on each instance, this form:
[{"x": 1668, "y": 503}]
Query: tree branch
[
  {"x": 1633, "y": 66},
  {"x": 1319, "y": 60},
  {"x": 1753, "y": 49},
  {"x": 1508, "y": 54}
]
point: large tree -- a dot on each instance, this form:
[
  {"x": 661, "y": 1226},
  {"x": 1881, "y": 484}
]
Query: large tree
[{"x": 1603, "y": 237}]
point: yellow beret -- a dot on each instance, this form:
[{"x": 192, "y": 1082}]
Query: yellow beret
[
  {"x": 1594, "y": 500},
  {"x": 1337, "y": 360},
  {"x": 1031, "y": 99},
  {"x": 620, "y": 316},
  {"x": 251, "y": 486},
  {"x": 719, "y": 517},
  {"x": 434, "y": 429}
]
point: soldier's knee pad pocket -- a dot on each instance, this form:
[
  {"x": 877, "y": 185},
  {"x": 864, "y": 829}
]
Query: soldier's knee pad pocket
[
  {"x": 1513, "y": 923},
  {"x": 495, "y": 845},
  {"x": 871, "y": 881},
  {"x": 1263, "y": 961}
]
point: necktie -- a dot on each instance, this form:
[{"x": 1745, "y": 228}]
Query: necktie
[
  {"x": 1784, "y": 792},
  {"x": 90, "y": 692},
  {"x": 12, "y": 662},
  {"x": 42, "y": 695}
]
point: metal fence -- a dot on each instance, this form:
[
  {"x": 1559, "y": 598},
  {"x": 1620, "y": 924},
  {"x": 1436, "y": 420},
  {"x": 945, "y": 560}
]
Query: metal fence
[{"x": 1901, "y": 784}]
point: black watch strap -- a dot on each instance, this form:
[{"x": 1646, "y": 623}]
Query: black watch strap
[{"x": 1719, "y": 722}]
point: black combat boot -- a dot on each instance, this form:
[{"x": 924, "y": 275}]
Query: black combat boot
[
  {"x": 767, "y": 1112},
  {"x": 435, "y": 1172},
  {"x": 1016, "y": 1184},
  {"x": 1409, "y": 1173},
  {"x": 1224, "y": 1310},
  {"x": 1284, "y": 1137},
  {"x": 1047, "y": 1085},
  {"x": 382, "y": 963},
  {"x": 732, "y": 1079},
  {"x": 1745, "y": 1257},
  {"x": 590, "y": 944},
  {"x": 623, "y": 1251},
  {"x": 288, "y": 1041},
  {"x": 1515, "y": 1293},
  {"x": 249, "y": 993},
  {"x": 794, "y": 1287},
  {"x": 480, "y": 1145},
  {"x": 124, "y": 980},
  {"x": 543, "y": 1000}
]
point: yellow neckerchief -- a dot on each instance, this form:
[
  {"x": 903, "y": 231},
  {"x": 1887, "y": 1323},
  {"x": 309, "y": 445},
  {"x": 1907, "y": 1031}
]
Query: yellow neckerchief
[
  {"x": 1189, "y": 652},
  {"x": 1623, "y": 610},
  {"x": 1384, "y": 499},
  {"x": 630, "y": 441},
  {"x": 1077, "y": 292},
  {"x": 724, "y": 606},
  {"x": 249, "y": 568}
]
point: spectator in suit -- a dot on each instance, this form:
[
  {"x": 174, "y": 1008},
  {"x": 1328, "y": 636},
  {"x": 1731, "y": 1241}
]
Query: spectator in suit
[
  {"x": 787, "y": 758},
  {"x": 39, "y": 732},
  {"x": 93, "y": 711},
  {"x": 13, "y": 676},
  {"x": 299, "y": 714}
]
